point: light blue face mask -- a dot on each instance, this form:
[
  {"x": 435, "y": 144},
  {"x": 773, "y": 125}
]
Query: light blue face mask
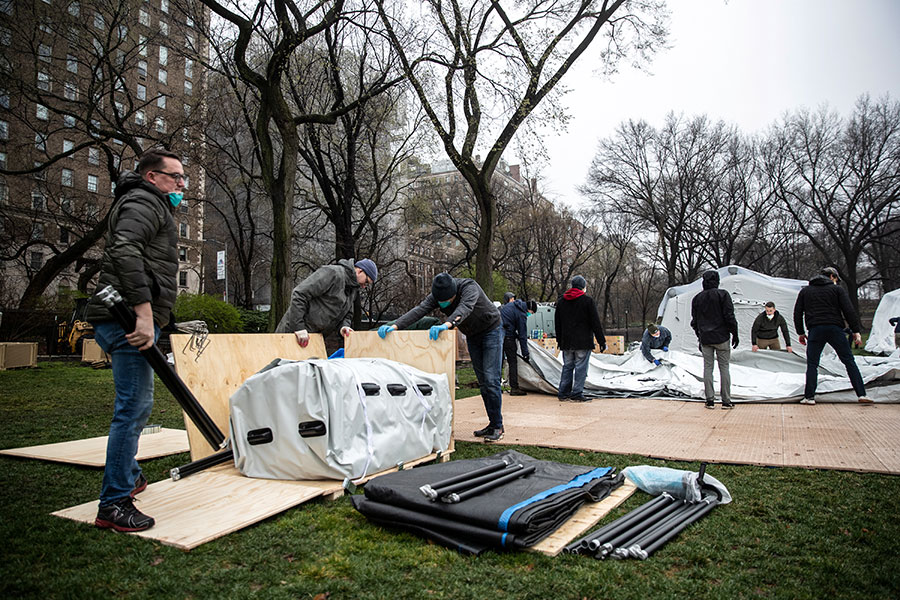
[
  {"x": 444, "y": 304},
  {"x": 175, "y": 198}
]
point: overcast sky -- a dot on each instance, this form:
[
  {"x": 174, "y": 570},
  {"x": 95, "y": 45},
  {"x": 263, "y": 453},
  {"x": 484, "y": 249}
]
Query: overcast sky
[{"x": 743, "y": 61}]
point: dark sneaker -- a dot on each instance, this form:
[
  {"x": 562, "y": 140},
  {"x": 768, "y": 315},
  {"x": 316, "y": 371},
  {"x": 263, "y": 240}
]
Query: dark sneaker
[
  {"x": 495, "y": 435},
  {"x": 710, "y": 404},
  {"x": 123, "y": 516},
  {"x": 139, "y": 486},
  {"x": 728, "y": 406},
  {"x": 516, "y": 392},
  {"x": 566, "y": 399},
  {"x": 579, "y": 399},
  {"x": 482, "y": 432}
]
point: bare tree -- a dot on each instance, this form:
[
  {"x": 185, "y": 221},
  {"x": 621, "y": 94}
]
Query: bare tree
[{"x": 480, "y": 69}]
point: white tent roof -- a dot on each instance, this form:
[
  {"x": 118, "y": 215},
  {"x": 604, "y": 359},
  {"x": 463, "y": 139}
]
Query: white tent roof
[
  {"x": 749, "y": 291},
  {"x": 881, "y": 338}
]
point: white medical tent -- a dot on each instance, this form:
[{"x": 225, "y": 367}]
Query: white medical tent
[
  {"x": 749, "y": 291},
  {"x": 881, "y": 338}
]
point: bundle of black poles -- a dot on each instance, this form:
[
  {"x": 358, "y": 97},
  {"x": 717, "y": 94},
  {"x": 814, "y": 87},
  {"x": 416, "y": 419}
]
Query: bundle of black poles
[
  {"x": 126, "y": 319},
  {"x": 466, "y": 485}
]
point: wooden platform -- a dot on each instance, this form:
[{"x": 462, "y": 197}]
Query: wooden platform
[
  {"x": 91, "y": 452},
  {"x": 586, "y": 517},
  {"x": 842, "y": 436}
]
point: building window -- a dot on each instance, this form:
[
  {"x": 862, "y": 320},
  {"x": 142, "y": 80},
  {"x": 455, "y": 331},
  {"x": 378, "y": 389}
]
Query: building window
[
  {"x": 144, "y": 17},
  {"x": 187, "y": 110},
  {"x": 141, "y": 92},
  {"x": 187, "y": 182},
  {"x": 160, "y": 125},
  {"x": 99, "y": 21},
  {"x": 183, "y": 207},
  {"x": 164, "y": 6},
  {"x": 63, "y": 235},
  {"x": 2, "y": 160},
  {"x": 163, "y": 27},
  {"x": 70, "y": 91},
  {"x": 41, "y": 112},
  {"x": 189, "y": 40},
  {"x": 38, "y": 202},
  {"x": 182, "y": 253},
  {"x": 163, "y": 56},
  {"x": 188, "y": 88},
  {"x": 112, "y": 188},
  {"x": 44, "y": 52},
  {"x": 182, "y": 278},
  {"x": 189, "y": 21},
  {"x": 74, "y": 9},
  {"x": 185, "y": 160},
  {"x": 4, "y": 191},
  {"x": 91, "y": 211},
  {"x": 69, "y": 120},
  {"x": 4, "y": 98},
  {"x": 94, "y": 156},
  {"x": 142, "y": 45},
  {"x": 188, "y": 67},
  {"x": 66, "y": 205},
  {"x": 183, "y": 229},
  {"x": 161, "y": 102},
  {"x": 67, "y": 176},
  {"x": 142, "y": 69},
  {"x": 4, "y": 130},
  {"x": 92, "y": 183},
  {"x": 67, "y": 147},
  {"x": 163, "y": 76},
  {"x": 139, "y": 117},
  {"x": 40, "y": 142},
  {"x": 43, "y": 81},
  {"x": 71, "y": 63},
  {"x": 40, "y": 175},
  {"x": 37, "y": 231},
  {"x": 37, "y": 260}
]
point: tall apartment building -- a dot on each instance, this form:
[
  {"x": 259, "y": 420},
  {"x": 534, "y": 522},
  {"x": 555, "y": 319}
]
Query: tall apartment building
[{"x": 85, "y": 87}]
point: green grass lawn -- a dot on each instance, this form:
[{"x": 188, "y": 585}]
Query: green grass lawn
[{"x": 790, "y": 533}]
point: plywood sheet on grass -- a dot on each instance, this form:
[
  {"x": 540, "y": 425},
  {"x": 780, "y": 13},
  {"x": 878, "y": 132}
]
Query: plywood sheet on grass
[
  {"x": 842, "y": 436},
  {"x": 226, "y": 362},
  {"x": 91, "y": 452},
  {"x": 586, "y": 517}
]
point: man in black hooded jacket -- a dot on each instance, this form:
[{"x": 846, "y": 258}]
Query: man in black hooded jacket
[
  {"x": 826, "y": 306},
  {"x": 712, "y": 319}
]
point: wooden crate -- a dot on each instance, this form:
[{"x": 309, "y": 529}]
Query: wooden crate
[
  {"x": 92, "y": 353},
  {"x": 18, "y": 354}
]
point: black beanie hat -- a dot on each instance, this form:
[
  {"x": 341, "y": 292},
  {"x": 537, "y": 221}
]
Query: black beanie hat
[
  {"x": 579, "y": 282},
  {"x": 443, "y": 287}
]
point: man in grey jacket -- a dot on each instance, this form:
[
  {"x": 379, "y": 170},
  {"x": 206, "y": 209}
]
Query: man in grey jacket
[
  {"x": 140, "y": 261},
  {"x": 323, "y": 302},
  {"x": 468, "y": 308}
]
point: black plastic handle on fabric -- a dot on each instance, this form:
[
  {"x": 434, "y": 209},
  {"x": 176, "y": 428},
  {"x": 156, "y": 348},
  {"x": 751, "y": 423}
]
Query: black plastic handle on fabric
[
  {"x": 312, "y": 429},
  {"x": 396, "y": 389},
  {"x": 371, "y": 389},
  {"x": 127, "y": 320}
]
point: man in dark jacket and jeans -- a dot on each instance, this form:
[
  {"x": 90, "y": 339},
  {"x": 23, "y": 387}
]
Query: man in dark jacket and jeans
[
  {"x": 470, "y": 310},
  {"x": 514, "y": 314},
  {"x": 141, "y": 262},
  {"x": 826, "y": 306},
  {"x": 577, "y": 324},
  {"x": 764, "y": 332},
  {"x": 712, "y": 319}
]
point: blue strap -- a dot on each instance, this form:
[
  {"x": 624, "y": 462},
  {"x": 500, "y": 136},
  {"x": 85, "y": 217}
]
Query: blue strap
[{"x": 577, "y": 482}]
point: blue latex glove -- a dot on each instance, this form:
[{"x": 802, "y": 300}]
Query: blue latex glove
[
  {"x": 339, "y": 353},
  {"x": 656, "y": 362},
  {"x": 436, "y": 330},
  {"x": 384, "y": 330},
  {"x": 665, "y": 348}
]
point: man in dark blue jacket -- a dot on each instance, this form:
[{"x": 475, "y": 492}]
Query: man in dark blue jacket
[
  {"x": 514, "y": 314},
  {"x": 826, "y": 306},
  {"x": 656, "y": 337},
  {"x": 468, "y": 308},
  {"x": 577, "y": 324},
  {"x": 712, "y": 319}
]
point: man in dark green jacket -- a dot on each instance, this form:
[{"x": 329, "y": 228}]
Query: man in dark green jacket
[
  {"x": 764, "y": 332},
  {"x": 140, "y": 261}
]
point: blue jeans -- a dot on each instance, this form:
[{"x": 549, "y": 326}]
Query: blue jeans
[
  {"x": 133, "y": 378},
  {"x": 486, "y": 352},
  {"x": 819, "y": 335},
  {"x": 574, "y": 372}
]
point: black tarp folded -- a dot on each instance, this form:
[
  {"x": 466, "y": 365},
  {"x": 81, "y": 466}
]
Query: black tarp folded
[{"x": 517, "y": 514}]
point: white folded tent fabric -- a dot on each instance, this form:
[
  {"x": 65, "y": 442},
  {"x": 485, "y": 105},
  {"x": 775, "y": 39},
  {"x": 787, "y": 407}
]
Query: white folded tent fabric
[
  {"x": 881, "y": 338},
  {"x": 766, "y": 375},
  {"x": 332, "y": 419}
]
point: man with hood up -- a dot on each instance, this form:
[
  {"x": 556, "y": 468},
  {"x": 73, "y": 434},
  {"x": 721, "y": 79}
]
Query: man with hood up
[
  {"x": 826, "y": 306},
  {"x": 514, "y": 314},
  {"x": 577, "y": 324},
  {"x": 764, "y": 332},
  {"x": 140, "y": 261},
  {"x": 323, "y": 302},
  {"x": 712, "y": 319}
]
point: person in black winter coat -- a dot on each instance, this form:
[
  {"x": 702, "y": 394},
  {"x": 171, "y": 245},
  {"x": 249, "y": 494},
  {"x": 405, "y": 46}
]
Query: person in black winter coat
[
  {"x": 577, "y": 324},
  {"x": 514, "y": 314},
  {"x": 712, "y": 319},
  {"x": 825, "y": 306},
  {"x": 764, "y": 332},
  {"x": 140, "y": 261}
]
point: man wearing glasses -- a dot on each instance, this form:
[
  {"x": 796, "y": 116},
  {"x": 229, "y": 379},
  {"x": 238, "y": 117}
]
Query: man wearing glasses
[
  {"x": 323, "y": 302},
  {"x": 140, "y": 261}
]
